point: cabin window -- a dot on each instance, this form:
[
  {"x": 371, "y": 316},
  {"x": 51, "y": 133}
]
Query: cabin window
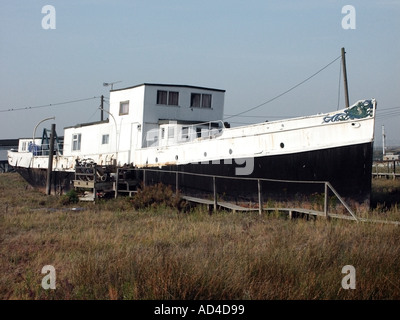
[
  {"x": 170, "y": 98},
  {"x": 198, "y": 100},
  {"x": 76, "y": 142},
  {"x": 162, "y": 97},
  {"x": 185, "y": 133},
  {"x": 105, "y": 138},
  {"x": 195, "y": 100},
  {"x": 24, "y": 146},
  {"x": 173, "y": 98},
  {"x": 123, "y": 108},
  {"x": 206, "y": 100}
]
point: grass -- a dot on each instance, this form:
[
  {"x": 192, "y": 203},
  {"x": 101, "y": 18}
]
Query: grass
[{"x": 111, "y": 250}]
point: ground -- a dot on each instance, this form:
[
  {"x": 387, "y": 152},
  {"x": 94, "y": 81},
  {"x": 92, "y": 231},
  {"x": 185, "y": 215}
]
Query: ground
[{"x": 111, "y": 250}]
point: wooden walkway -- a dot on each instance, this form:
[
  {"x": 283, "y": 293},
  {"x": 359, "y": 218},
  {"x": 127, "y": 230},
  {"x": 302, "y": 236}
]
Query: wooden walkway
[{"x": 290, "y": 211}]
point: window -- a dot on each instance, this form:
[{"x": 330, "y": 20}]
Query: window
[
  {"x": 198, "y": 100},
  {"x": 76, "y": 142},
  {"x": 195, "y": 100},
  {"x": 185, "y": 133},
  {"x": 123, "y": 108},
  {"x": 206, "y": 100},
  {"x": 105, "y": 138},
  {"x": 162, "y": 97},
  {"x": 173, "y": 98},
  {"x": 170, "y": 98}
]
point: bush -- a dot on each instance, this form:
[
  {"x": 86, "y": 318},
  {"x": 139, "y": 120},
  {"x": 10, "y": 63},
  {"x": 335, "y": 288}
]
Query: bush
[
  {"x": 156, "y": 195},
  {"x": 70, "y": 197}
]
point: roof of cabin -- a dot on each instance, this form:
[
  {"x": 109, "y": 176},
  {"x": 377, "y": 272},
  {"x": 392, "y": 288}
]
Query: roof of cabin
[{"x": 168, "y": 85}]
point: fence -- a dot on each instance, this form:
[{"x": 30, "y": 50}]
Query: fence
[{"x": 175, "y": 177}]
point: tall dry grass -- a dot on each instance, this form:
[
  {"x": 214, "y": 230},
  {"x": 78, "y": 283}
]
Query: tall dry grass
[{"x": 112, "y": 251}]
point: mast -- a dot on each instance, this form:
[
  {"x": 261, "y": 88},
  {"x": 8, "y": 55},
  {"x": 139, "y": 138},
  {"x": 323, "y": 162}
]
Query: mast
[{"x": 346, "y": 89}]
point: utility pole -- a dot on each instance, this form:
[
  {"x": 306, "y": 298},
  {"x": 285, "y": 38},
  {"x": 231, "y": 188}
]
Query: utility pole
[
  {"x": 346, "y": 89},
  {"x": 101, "y": 108},
  {"x": 383, "y": 141},
  {"x": 50, "y": 165}
]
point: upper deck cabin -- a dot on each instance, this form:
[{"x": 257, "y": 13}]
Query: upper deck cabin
[{"x": 148, "y": 115}]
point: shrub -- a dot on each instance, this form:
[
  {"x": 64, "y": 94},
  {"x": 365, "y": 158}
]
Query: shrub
[
  {"x": 155, "y": 195},
  {"x": 70, "y": 197}
]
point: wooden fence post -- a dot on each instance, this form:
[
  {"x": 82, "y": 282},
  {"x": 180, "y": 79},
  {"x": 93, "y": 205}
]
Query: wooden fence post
[
  {"x": 50, "y": 164},
  {"x": 176, "y": 182},
  {"x": 326, "y": 200},
  {"x": 116, "y": 184},
  {"x": 260, "y": 200},
  {"x": 215, "y": 194}
]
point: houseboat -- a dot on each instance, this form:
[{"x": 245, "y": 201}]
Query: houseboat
[{"x": 169, "y": 128}]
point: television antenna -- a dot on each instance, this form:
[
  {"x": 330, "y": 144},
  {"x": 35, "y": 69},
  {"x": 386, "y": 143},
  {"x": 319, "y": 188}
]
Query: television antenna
[{"x": 107, "y": 84}]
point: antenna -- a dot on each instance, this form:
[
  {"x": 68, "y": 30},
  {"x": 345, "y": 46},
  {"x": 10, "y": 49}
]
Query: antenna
[{"x": 106, "y": 84}]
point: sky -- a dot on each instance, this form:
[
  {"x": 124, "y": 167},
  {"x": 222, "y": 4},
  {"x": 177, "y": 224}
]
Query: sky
[{"x": 254, "y": 49}]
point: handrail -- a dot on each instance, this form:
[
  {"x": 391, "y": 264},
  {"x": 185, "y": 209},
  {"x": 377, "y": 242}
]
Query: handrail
[
  {"x": 228, "y": 177},
  {"x": 327, "y": 186}
]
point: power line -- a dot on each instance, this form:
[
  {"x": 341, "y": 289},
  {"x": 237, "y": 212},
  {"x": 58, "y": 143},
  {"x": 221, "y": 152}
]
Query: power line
[
  {"x": 287, "y": 91},
  {"x": 48, "y": 105}
]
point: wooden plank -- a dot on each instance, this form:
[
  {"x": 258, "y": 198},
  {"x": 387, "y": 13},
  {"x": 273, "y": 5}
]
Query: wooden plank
[
  {"x": 235, "y": 207},
  {"x": 226, "y": 205},
  {"x": 83, "y": 184},
  {"x": 198, "y": 200}
]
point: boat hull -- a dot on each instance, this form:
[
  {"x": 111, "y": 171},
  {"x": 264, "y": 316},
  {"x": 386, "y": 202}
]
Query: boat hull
[
  {"x": 347, "y": 168},
  {"x": 61, "y": 181}
]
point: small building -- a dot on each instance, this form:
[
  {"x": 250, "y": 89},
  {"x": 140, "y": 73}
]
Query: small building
[{"x": 391, "y": 157}]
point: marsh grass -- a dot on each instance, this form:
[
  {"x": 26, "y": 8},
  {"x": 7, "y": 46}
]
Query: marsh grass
[{"x": 110, "y": 250}]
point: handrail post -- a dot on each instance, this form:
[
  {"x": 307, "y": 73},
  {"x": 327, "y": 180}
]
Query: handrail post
[
  {"x": 176, "y": 182},
  {"x": 50, "y": 164},
  {"x": 144, "y": 178},
  {"x": 260, "y": 201},
  {"x": 326, "y": 200},
  {"x": 342, "y": 201},
  {"x": 215, "y": 193}
]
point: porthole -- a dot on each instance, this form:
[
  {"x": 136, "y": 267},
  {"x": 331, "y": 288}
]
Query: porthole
[
  {"x": 230, "y": 151},
  {"x": 282, "y": 145},
  {"x": 176, "y": 157},
  {"x": 156, "y": 159},
  {"x": 205, "y": 154}
]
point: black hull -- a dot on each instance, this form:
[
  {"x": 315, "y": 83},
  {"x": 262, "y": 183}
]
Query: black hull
[
  {"x": 61, "y": 181},
  {"x": 347, "y": 168}
]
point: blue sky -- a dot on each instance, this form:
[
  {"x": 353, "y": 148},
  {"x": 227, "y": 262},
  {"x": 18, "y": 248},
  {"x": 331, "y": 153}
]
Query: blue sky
[{"x": 254, "y": 50}]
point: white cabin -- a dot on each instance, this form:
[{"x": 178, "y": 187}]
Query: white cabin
[{"x": 147, "y": 115}]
